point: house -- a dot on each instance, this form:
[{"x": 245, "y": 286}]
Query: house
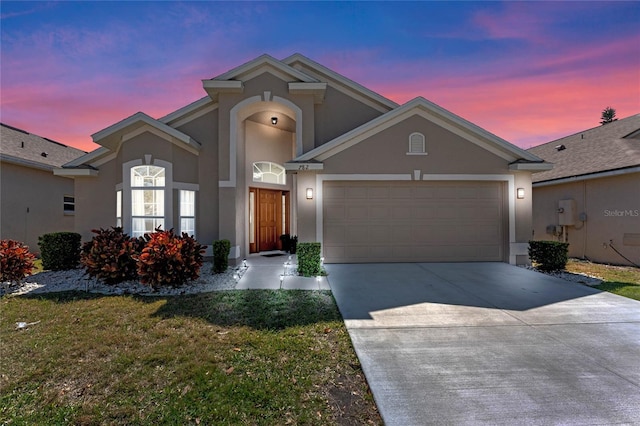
[
  {"x": 591, "y": 198},
  {"x": 34, "y": 201},
  {"x": 292, "y": 147}
]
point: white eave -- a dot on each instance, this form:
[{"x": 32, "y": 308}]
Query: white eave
[
  {"x": 432, "y": 112},
  {"x": 243, "y": 71},
  {"x": 181, "y": 114},
  {"x": 113, "y": 136},
  {"x": 215, "y": 87},
  {"x": 316, "y": 89},
  {"x": 323, "y": 73},
  {"x": 75, "y": 172},
  {"x": 540, "y": 166}
]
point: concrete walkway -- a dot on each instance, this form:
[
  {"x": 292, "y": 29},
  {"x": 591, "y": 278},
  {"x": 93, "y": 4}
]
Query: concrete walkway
[
  {"x": 268, "y": 271},
  {"x": 490, "y": 343}
]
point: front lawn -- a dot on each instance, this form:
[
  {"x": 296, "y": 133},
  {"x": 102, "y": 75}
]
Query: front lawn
[
  {"x": 231, "y": 357},
  {"x": 622, "y": 280}
]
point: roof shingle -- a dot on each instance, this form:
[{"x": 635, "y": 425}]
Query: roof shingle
[
  {"x": 607, "y": 147},
  {"x": 29, "y": 149}
]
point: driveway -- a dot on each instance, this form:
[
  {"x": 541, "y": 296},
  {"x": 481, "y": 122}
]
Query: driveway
[{"x": 490, "y": 343}]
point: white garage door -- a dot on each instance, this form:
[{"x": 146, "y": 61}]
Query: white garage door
[{"x": 376, "y": 221}]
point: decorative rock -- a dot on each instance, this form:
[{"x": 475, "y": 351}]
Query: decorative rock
[{"x": 76, "y": 279}]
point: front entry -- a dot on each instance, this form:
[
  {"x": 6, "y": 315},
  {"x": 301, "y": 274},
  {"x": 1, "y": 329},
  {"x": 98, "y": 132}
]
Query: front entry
[{"x": 268, "y": 218}]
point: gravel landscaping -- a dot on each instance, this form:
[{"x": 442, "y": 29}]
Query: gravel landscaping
[{"x": 76, "y": 279}]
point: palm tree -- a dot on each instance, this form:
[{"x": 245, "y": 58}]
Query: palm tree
[{"x": 608, "y": 115}]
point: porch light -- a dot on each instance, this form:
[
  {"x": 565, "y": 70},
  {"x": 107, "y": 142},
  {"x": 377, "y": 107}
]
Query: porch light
[
  {"x": 520, "y": 193},
  {"x": 309, "y": 193},
  {"x": 274, "y": 120}
]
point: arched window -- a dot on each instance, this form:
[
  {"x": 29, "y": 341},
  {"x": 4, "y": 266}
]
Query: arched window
[
  {"x": 147, "y": 199},
  {"x": 417, "y": 144},
  {"x": 268, "y": 172}
]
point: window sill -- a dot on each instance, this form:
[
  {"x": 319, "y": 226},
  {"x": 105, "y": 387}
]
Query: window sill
[{"x": 417, "y": 153}]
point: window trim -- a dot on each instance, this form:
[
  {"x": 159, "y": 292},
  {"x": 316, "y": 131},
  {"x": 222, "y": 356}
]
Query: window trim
[
  {"x": 272, "y": 165},
  {"x": 182, "y": 216},
  {"x": 127, "y": 219},
  {"x": 423, "y": 142},
  {"x": 72, "y": 203}
]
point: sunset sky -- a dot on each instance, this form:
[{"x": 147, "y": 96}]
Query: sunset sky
[{"x": 530, "y": 72}]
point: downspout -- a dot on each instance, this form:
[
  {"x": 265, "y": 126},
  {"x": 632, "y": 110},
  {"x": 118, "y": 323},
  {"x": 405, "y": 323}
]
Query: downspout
[{"x": 585, "y": 223}]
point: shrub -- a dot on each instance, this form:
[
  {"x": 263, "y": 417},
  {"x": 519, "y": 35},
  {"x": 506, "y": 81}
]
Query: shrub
[
  {"x": 221, "y": 250},
  {"x": 60, "y": 250},
  {"x": 169, "y": 259},
  {"x": 309, "y": 262},
  {"x": 16, "y": 261},
  {"x": 110, "y": 255},
  {"x": 549, "y": 255}
]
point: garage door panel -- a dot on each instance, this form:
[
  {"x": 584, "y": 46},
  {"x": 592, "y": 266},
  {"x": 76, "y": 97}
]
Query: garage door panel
[{"x": 413, "y": 221}]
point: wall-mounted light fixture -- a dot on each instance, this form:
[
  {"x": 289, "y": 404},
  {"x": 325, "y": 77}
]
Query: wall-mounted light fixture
[
  {"x": 274, "y": 120},
  {"x": 309, "y": 193},
  {"x": 520, "y": 193}
]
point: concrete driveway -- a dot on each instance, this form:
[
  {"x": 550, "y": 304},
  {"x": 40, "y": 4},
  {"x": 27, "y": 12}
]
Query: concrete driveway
[{"x": 490, "y": 343}]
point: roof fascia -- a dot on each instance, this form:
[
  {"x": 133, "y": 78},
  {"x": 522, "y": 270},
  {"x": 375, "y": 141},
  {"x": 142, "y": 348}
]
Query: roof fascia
[
  {"x": 25, "y": 163},
  {"x": 318, "y": 90},
  {"x": 75, "y": 172},
  {"x": 181, "y": 114},
  {"x": 241, "y": 71},
  {"x": 578, "y": 178},
  {"x": 430, "y": 111},
  {"x": 141, "y": 117},
  {"x": 341, "y": 82},
  {"x": 533, "y": 166},
  {"x": 88, "y": 157}
]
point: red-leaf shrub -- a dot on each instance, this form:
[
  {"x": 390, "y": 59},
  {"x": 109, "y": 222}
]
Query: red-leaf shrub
[
  {"x": 169, "y": 259},
  {"x": 110, "y": 255},
  {"x": 16, "y": 262}
]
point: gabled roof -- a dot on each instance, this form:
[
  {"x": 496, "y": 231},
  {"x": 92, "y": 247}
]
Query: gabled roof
[
  {"x": 608, "y": 147},
  {"x": 21, "y": 147},
  {"x": 112, "y": 135},
  {"x": 248, "y": 68},
  {"x": 520, "y": 159},
  {"x": 339, "y": 81}
]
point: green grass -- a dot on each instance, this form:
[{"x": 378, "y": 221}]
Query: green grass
[
  {"x": 621, "y": 280},
  {"x": 236, "y": 357}
]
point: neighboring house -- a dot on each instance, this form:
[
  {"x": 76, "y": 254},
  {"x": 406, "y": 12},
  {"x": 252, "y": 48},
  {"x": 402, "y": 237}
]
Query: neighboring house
[
  {"x": 291, "y": 147},
  {"x": 591, "y": 198},
  {"x": 34, "y": 201}
]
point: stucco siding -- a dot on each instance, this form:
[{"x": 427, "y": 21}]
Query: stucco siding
[
  {"x": 338, "y": 114},
  {"x": 612, "y": 208},
  {"x": 32, "y": 204},
  {"x": 386, "y": 152}
]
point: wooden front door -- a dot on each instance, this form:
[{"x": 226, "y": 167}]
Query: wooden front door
[{"x": 267, "y": 218}]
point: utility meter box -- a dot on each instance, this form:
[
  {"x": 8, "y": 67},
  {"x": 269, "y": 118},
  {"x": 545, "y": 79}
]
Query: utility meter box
[{"x": 567, "y": 212}]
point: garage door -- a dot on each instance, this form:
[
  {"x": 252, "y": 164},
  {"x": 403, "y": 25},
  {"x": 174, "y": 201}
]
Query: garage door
[{"x": 413, "y": 221}]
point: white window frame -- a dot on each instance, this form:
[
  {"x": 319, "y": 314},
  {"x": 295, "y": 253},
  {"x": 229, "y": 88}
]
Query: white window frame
[
  {"x": 190, "y": 214},
  {"x": 154, "y": 190},
  {"x": 274, "y": 169},
  {"x": 127, "y": 220}
]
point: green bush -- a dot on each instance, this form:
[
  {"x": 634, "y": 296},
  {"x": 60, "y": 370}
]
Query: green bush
[
  {"x": 549, "y": 255},
  {"x": 16, "y": 261},
  {"x": 110, "y": 255},
  {"x": 221, "y": 250},
  {"x": 169, "y": 259},
  {"x": 309, "y": 261},
  {"x": 60, "y": 250}
]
